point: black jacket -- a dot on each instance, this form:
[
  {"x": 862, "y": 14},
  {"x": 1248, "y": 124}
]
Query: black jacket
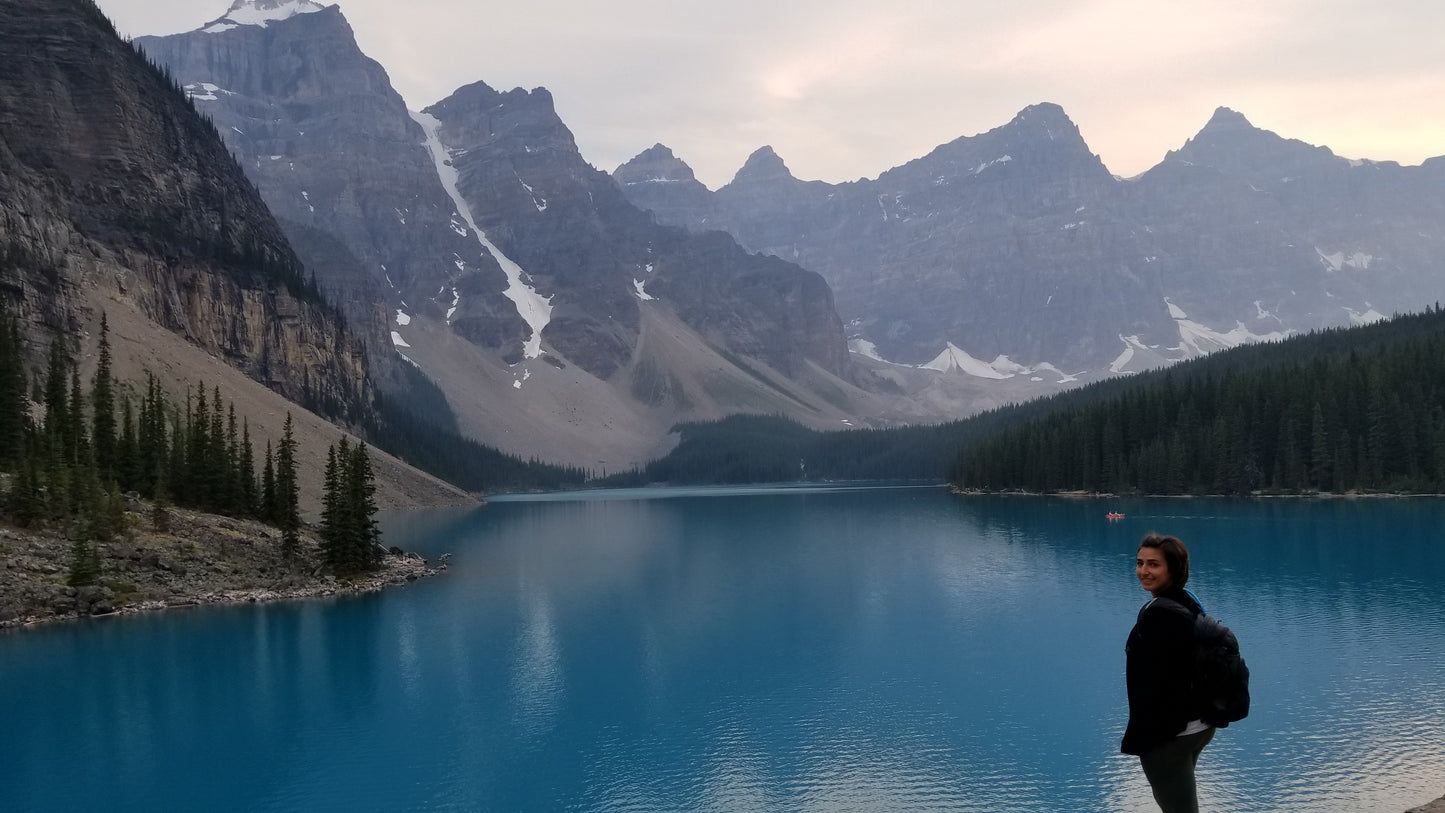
[{"x": 1159, "y": 665}]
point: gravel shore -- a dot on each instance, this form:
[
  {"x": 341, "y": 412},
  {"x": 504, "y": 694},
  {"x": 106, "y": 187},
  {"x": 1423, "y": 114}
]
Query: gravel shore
[{"x": 200, "y": 559}]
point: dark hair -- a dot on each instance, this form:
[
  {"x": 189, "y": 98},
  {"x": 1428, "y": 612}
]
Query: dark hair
[{"x": 1176, "y": 556}]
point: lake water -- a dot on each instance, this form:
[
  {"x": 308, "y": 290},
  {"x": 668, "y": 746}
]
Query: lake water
[{"x": 888, "y": 649}]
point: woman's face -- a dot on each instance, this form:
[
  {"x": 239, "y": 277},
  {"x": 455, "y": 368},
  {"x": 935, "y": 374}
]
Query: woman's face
[{"x": 1151, "y": 570}]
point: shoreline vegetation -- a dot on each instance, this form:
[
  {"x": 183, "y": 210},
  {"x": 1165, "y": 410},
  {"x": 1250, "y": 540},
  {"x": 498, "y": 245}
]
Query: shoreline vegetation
[{"x": 200, "y": 559}]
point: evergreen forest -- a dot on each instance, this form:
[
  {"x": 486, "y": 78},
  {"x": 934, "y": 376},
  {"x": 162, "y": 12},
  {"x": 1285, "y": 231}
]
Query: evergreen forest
[
  {"x": 70, "y": 467},
  {"x": 1344, "y": 410}
]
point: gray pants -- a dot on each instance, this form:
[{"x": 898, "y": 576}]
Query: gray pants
[{"x": 1170, "y": 771}]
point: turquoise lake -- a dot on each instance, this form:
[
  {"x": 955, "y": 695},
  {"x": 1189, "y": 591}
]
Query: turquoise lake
[{"x": 790, "y": 649}]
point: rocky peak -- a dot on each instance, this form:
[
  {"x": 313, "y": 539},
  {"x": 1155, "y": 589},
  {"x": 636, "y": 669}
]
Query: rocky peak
[
  {"x": 1231, "y": 144},
  {"x": 1044, "y": 128},
  {"x": 1051, "y": 117},
  {"x": 1226, "y": 120},
  {"x": 656, "y": 164},
  {"x": 763, "y": 167},
  {"x": 662, "y": 183},
  {"x": 517, "y": 118}
]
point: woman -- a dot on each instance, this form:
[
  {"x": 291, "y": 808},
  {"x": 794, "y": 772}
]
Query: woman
[{"x": 1164, "y": 730}]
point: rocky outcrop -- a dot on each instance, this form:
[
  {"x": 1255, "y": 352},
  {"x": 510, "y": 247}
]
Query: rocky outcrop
[
  {"x": 1018, "y": 242},
  {"x": 110, "y": 179}
]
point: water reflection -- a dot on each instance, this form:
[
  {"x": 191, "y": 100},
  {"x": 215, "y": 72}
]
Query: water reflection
[{"x": 811, "y": 650}]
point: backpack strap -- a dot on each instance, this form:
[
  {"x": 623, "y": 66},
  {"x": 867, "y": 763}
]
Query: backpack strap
[{"x": 1202, "y": 611}]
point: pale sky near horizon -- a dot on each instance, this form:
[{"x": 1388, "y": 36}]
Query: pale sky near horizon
[{"x": 844, "y": 89}]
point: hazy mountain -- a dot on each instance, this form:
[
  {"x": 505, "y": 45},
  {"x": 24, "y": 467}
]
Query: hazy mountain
[
  {"x": 1017, "y": 246},
  {"x": 560, "y": 320}
]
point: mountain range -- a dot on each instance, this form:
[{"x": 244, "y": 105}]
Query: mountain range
[
  {"x": 574, "y": 316},
  {"x": 1018, "y": 246},
  {"x": 560, "y": 320}
]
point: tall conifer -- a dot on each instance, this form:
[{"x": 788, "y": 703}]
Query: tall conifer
[
  {"x": 288, "y": 496},
  {"x": 14, "y": 417},
  {"x": 102, "y": 406}
]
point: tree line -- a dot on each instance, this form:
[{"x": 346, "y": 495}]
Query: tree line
[
  {"x": 72, "y": 465},
  {"x": 1345, "y": 410}
]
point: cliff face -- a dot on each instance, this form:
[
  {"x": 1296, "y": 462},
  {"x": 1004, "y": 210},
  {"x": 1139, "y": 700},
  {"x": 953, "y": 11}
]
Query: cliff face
[
  {"x": 110, "y": 181},
  {"x": 335, "y": 153},
  {"x": 597, "y": 255}
]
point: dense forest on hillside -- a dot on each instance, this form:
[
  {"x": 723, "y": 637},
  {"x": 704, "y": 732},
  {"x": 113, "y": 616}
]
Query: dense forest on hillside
[
  {"x": 1359, "y": 409},
  {"x": 768, "y": 449},
  {"x": 1337, "y": 410}
]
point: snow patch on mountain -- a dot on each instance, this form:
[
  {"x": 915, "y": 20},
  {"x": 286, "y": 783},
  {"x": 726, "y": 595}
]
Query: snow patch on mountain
[
  {"x": 1131, "y": 345},
  {"x": 535, "y": 309},
  {"x": 260, "y": 13},
  {"x": 1365, "y": 317},
  {"x": 953, "y": 359},
  {"x": 539, "y": 202},
  {"x": 205, "y": 91},
  {"x": 1198, "y": 340},
  {"x": 1338, "y": 260},
  {"x": 995, "y": 162}
]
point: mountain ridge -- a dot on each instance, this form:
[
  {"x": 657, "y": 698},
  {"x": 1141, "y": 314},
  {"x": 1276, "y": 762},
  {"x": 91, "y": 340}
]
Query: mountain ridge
[
  {"x": 531, "y": 229},
  {"x": 1223, "y": 241}
]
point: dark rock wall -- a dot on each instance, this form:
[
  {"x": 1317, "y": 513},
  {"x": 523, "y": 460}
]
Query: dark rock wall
[{"x": 108, "y": 176}]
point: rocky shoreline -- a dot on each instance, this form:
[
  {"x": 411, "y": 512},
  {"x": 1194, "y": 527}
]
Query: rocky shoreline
[{"x": 200, "y": 559}]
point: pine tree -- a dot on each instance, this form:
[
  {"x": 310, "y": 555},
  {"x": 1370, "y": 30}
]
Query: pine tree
[
  {"x": 233, "y": 463},
  {"x": 268, "y": 488},
  {"x": 288, "y": 492},
  {"x": 127, "y": 450},
  {"x": 56, "y": 374},
  {"x": 77, "y": 447},
  {"x": 24, "y": 501},
  {"x": 84, "y": 566},
  {"x": 247, "y": 467},
  {"x": 102, "y": 405},
  {"x": 361, "y": 504},
  {"x": 200, "y": 477},
  {"x": 14, "y": 416},
  {"x": 329, "y": 529}
]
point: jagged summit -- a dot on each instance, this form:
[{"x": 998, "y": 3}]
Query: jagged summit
[
  {"x": 261, "y": 13},
  {"x": 1047, "y": 119},
  {"x": 763, "y": 165},
  {"x": 1043, "y": 112},
  {"x": 1229, "y": 143},
  {"x": 656, "y": 164},
  {"x": 1227, "y": 119}
]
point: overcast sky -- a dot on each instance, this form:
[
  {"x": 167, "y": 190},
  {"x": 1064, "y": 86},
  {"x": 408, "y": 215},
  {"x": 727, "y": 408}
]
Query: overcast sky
[{"x": 844, "y": 89}]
